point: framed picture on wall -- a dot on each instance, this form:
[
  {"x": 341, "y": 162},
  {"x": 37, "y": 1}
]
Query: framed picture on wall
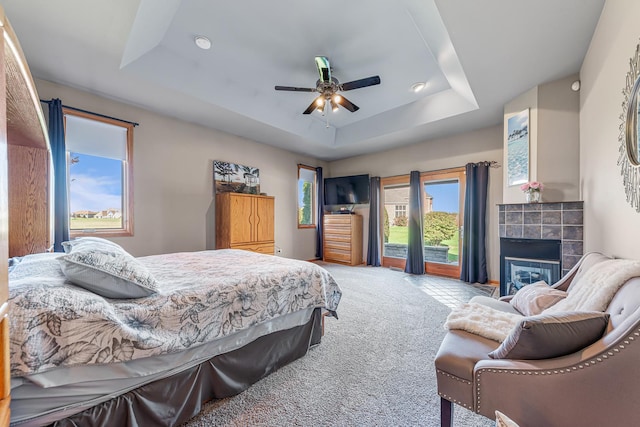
[
  {"x": 232, "y": 177},
  {"x": 518, "y": 148}
]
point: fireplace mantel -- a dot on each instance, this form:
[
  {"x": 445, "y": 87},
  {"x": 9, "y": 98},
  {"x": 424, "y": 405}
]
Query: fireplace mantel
[{"x": 560, "y": 220}]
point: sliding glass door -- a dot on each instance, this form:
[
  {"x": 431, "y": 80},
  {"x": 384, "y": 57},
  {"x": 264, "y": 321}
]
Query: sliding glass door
[
  {"x": 395, "y": 210},
  {"x": 442, "y": 208}
]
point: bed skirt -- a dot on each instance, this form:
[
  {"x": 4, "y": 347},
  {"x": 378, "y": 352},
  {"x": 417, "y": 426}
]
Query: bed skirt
[{"x": 174, "y": 400}]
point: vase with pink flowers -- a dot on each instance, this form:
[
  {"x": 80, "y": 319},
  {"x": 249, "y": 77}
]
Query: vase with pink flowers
[{"x": 532, "y": 191}]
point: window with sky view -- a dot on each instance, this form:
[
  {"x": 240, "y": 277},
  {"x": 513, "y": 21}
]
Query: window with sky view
[
  {"x": 95, "y": 192},
  {"x": 99, "y": 171}
]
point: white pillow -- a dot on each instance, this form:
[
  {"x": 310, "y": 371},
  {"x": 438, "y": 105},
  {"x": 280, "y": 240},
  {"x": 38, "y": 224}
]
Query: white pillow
[
  {"x": 503, "y": 421},
  {"x": 41, "y": 265},
  {"x": 107, "y": 270},
  {"x": 533, "y": 299},
  {"x": 90, "y": 240}
]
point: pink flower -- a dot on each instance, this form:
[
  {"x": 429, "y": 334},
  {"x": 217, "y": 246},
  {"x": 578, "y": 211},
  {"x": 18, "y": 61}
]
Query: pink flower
[{"x": 532, "y": 186}]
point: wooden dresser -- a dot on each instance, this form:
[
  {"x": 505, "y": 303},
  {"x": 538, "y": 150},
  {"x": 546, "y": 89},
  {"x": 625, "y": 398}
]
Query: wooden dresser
[
  {"x": 245, "y": 221},
  {"x": 342, "y": 239}
]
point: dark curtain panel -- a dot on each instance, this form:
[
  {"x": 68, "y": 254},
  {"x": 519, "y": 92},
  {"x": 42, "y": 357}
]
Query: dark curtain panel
[
  {"x": 59, "y": 156},
  {"x": 320, "y": 212},
  {"x": 474, "y": 253},
  {"x": 415, "y": 251},
  {"x": 373, "y": 252}
]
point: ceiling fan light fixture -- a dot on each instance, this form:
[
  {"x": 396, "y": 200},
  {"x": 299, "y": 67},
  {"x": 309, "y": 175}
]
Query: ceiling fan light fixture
[
  {"x": 334, "y": 106},
  {"x": 202, "y": 42},
  {"x": 337, "y": 98},
  {"x": 417, "y": 87}
]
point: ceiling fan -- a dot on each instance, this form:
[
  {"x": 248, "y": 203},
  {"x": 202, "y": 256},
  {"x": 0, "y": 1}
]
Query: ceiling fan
[{"x": 328, "y": 87}]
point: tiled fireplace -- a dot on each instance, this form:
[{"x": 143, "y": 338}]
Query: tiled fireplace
[{"x": 529, "y": 231}]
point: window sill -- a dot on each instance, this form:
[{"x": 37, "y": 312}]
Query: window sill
[{"x": 100, "y": 233}]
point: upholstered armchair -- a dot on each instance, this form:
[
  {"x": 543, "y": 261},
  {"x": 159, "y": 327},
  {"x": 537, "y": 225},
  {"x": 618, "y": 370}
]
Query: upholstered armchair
[{"x": 598, "y": 385}]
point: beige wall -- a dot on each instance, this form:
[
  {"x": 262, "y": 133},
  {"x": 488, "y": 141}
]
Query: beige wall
[
  {"x": 454, "y": 151},
  {"x": 559, "y": 140},
  {"x": 554, "y": 141},
  {"x": 173, "y": 178},
  {"x": 612, "y": 226}
]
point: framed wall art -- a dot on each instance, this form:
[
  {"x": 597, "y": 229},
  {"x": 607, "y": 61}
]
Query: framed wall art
[
  {"x": 518, "y": 148},
  {"x": 235, "y": 178}
]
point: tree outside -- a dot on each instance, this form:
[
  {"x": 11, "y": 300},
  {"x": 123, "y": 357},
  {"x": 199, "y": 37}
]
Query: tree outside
[
  {"x": 439, "y": 226},
  {"x": 305, "y": 211},
  {"x": 386, "y": 226}
]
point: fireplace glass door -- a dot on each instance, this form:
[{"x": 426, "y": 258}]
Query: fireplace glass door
[{"x": 520, "y": 272}]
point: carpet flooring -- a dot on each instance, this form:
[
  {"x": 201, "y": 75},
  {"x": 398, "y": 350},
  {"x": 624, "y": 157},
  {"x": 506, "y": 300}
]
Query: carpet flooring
[{"x": 374, "y": 366}]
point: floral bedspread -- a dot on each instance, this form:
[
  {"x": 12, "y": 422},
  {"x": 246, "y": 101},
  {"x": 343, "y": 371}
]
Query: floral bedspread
[{"x": 202, "y": 296}]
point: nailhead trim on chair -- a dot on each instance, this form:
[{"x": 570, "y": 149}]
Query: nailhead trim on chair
[
  {"x": 593, "y": 361},
  {"x": 453, "y": 377},
  {"x": 449, "y": 398}
]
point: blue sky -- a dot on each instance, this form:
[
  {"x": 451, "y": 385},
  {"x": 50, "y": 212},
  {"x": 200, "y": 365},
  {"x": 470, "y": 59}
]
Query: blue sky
[
  {"x": 445, "y": 196},
  {"x": 518, "y": 121},
  {"x": 95, "y": 183}
]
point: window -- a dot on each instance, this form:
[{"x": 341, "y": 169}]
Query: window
[
  {"x": 401, "y": 210},
  {"x": 306, "y": 197},
  {"x": 99, "y": 172}
]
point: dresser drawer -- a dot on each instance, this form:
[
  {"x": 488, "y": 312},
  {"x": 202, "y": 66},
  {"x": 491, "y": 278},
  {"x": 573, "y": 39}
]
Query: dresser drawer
[
  {"x": 336, "y": 244},
  {"x": 333, "y": 237},
  {"x": 263, "y": 248},
  {"x": 337, "y": 255},
  {"x": 337, "y": 230},
  {"x": 337, "y": 220}
]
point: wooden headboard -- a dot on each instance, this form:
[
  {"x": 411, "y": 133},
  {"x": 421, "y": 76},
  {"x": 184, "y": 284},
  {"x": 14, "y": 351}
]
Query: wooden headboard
[
  {"x": 24, "y": 181},
  {"x": 28, "y": 155}
]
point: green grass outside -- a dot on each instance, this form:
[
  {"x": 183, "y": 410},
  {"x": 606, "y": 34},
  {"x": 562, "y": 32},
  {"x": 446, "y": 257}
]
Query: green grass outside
[
  {"x": 401, "y": 235},
  {"x": 94, "y": 223},
  {"x": 398, "y": 235}
]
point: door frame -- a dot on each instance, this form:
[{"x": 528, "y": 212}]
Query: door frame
[{"x": 458, "y": 173}]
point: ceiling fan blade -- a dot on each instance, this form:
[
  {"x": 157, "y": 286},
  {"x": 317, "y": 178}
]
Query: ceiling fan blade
[
  {"x": 357, "y": 84},
  {"x": 346, "y": 103},
  {"x": 313, "y": 106},
  {"x": 323, "y": 68},
  {"x": 295, "y": 89}
]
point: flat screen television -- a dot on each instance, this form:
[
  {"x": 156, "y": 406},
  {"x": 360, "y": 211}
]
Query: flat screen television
[{"x": 346, "y": 190}]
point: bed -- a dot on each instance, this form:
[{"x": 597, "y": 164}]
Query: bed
[{"x": 207, "y": 326}]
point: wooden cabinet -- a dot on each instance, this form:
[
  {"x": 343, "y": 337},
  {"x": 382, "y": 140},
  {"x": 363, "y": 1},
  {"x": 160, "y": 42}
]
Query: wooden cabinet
[
  {"x": 245, "y": 221},
  {"x": 342, "y": 239}
]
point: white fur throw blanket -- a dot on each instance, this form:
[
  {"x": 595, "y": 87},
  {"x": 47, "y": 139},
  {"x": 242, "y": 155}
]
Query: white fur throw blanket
[
  {"x": 593, "y": 292},
  {"x": 482, "y": 320}
]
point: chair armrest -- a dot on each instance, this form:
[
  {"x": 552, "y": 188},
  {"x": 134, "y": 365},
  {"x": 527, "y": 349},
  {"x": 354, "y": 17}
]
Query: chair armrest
[{"x": 567, "y": 391}]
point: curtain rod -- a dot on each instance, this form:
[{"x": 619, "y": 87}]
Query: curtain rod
[{"x": 95, "y": 114}]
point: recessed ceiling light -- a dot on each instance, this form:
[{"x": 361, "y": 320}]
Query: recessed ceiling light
[
  {"x": 575, "y": 86},
  {"x": 202, "y": 42},
  {"x": 417, "y": 87}
]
